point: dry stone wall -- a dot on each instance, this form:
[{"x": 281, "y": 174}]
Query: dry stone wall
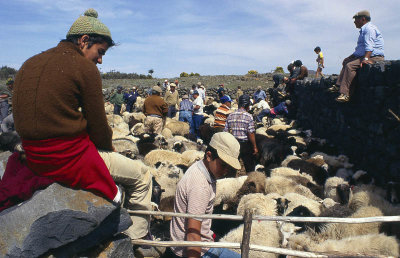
[{"x": 367, "y": 129}]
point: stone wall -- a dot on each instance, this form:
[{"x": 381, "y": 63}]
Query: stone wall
[{"x": 367, "y": 128}]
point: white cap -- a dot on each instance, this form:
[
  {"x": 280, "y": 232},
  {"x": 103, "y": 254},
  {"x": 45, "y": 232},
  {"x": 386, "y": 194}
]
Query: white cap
[{"x": 227, "y": 148}]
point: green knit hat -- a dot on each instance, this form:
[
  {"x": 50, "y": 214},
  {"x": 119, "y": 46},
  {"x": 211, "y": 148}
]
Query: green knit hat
[{"x": 89, "y": 24}]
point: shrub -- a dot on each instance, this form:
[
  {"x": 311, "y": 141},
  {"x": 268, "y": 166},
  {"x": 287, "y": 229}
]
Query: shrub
[
  {"x": 279, "y": 69},
  {"x": 252, "y": 72},
  {"x": 183, "y": 74},
  {"x": 7, "y": 72}
]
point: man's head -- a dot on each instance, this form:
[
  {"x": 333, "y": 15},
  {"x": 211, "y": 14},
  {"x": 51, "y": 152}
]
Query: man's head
[
  {"x": 195, "y": 94},
  {"x": 185, "y": 96},
  {"x": 193, "y": 86},
  {"x": 91, "y": 36},
  {"x": 134, "y": 88},
  {"x": 226, "y": 100},
  {"x": 198, "y": 84},
  {"x": 298, "y": 63},
  {"x": 244, "y": 101},
  {"x": 290, "y": 67},
  {"x": 119, "y": 88},
  {"x": 172, "y": 87},
  {"x": 239, "y": 87},
  {"x": 221, "y": 85},
  {"x": 288, "y": 102},
  {"x": 317, "y": 50},
  {"x": 259, "y": 87},
  {"x": 361, "y": 18},
  {"x": 176, "y": 82},
  {"x": 156, "y": 90},
  {"x": 222, "y": 154},
  {"x": 166, "y": 81}
]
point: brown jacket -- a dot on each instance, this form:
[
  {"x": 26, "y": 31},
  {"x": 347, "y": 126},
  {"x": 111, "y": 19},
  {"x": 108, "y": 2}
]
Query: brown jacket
[
  {"x": 50, "y": 88},
  {"x": 155, "y": 105},
  {"x": 303, "y": 73}
]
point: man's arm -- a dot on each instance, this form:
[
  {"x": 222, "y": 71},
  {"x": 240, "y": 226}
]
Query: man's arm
[
  {"x": 193, "y": 234},
  {"x": 252, "y": 139},
  {"x": 367, "y": 55}
]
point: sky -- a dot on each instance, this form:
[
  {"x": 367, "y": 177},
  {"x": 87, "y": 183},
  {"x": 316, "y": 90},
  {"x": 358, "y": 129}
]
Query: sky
[{"x": 209, "y": 37}]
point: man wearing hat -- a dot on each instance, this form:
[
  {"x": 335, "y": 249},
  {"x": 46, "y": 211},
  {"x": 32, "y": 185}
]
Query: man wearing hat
[
  {"x": 155, "y": 109},
  {"x": 172, "y": 99},
  {"x": 221, "y": 91},
  {"x": 117, "y": 99},
  {"x": 241, "y": 125},
  {"x": 59, "y": 113},
  {"x": 165, "y": 85},
  {"x": 195, "y": 194},
  {"x": 222, "y": 113},
  {"x": 259, "y": 94},
  {"x": 198, "y": 105},
  {"x": 369, "y": 49},
  {"x": 185, "y": 111},
  {"x": 5, "y": 94}
]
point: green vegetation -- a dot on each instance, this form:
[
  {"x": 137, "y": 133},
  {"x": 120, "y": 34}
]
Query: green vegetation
[
  {"x": 184, "y": 74},
  {"x": 118, "y": 75},
  {"x": 252, "y": 72},
  {"x": 7, "y": 72}
]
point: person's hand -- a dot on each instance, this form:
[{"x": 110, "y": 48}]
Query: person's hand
[
  {"x": 255, "y": 151},
  {"x": 323, "y": 66},
  {"x": 293, "y": 80},
  {"x": 113, "y": 149},
  {"x": 366, "y": 62}
]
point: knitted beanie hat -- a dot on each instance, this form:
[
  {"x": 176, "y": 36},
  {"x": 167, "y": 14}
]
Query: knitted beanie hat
[{"x": 89, "y": 24}]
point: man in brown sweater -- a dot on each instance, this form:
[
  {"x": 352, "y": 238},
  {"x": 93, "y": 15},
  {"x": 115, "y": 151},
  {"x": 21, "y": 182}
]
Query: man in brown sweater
[
  {"x": 155, "y": 109},
  {"x": 172, "y": 99},
  {"x": 59, "y": 114}
]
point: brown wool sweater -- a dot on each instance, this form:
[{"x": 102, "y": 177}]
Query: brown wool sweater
[
  {"x": 50, "y": 87},
  {"x": 155, "y": 105}
]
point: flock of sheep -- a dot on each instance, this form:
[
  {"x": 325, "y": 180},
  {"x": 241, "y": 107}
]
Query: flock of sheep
[{"x": 298, "y": 175}]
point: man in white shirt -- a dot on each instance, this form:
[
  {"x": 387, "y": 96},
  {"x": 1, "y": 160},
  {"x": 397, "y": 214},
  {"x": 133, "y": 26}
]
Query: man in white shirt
[{"x": 197, "y": 113}]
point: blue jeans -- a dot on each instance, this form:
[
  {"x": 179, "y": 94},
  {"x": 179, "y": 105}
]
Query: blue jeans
[
  {"x": 117, "y": 109},
  {"x": 197, "y": 119},
  {"x": 220, "y": 252},
  {"x": 186, "y": 116}
]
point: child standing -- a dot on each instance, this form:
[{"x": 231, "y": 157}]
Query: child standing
[{"x": 320, "y": 61}]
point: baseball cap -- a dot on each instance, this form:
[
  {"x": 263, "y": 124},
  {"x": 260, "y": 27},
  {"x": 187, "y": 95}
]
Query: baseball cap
[
  {"x": 119, "y": 87},
  {"x": 225, "y": 98},
  {"x": 362, "y": 13},
  {"x": 227, "y": 148},
  {"x": 195, "y": 92},
  {"x": 185, "y": 96},
  {"x": 157, "y": 88},
  {"x": 172, "y": 85}
]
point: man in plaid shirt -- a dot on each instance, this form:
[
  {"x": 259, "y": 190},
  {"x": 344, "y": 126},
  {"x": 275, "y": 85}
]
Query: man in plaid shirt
[{"x": 241, "y": 125}]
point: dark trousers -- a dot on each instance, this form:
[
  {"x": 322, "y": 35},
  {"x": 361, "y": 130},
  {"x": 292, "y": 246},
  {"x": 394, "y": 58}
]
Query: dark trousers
[
  {"x": 3, "y": 110},
  {"x": 197, "y": 119},
  {"x": 171, "y": 111},
  {"x": 117, "y": 109},
  {"x": 246, "y": 154}
]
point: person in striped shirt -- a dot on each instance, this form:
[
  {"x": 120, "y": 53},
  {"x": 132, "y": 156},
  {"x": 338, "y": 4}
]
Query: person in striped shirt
[
  {"x": 222, "y": 113},
  {"x": 241, "y": 125}
]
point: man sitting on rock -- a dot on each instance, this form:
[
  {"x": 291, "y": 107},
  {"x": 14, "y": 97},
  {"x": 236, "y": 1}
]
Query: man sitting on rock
[
  {"x": 369, "y": 49},
  {"x": 195, "y": 194},
  {"x": 259, "y": 94},
  {"x": 59, "y": 114}
]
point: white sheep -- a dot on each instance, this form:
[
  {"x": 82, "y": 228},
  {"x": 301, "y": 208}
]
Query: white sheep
[
  {"x": 168, "y": 176},
  {"x": 125, "y": 144},
  {"x": 331, "y": 188},
  {"x": 167, "y": 133},
  {"x": 276, "y": 128},
  {"x": 227, "y": 189},
  {"x": 340, "y": 161},
  {"x": 158, "y": 155},
  {"x": 264, "y": 233},
  {"x": 297, "y": 200},
  {"x": 126, "y": 116},
  {"x": 365, "y": 245},
  {"x": 137, "y": 129},
  {"x": 177, "y": 127},
  {"x": 191, "y": 156},
  {"x": 283, "y": 185},
  {"x": 258, "y": 203}
]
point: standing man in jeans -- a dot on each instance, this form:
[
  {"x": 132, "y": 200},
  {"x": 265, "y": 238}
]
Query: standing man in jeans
[
  {"x": 195, "y": 194},
  {"x": 241, "y": 125},
  {"x": 369, "y": 49},
  {"x": 197, "y": 113}
]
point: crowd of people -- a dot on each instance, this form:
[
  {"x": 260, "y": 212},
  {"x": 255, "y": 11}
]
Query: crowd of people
[{"x": 77, "y": 144}]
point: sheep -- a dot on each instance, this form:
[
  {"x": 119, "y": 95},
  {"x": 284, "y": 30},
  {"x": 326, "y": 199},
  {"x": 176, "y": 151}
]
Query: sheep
[
  {"x": 340, "y": 161},
  {"x": 314, "y": 167},
  {"x": 120, "y": 132},
  {"x": 277, "y": 121},
  {"x": 125, "y": 144},
  {"x": 273, "y": 151},
  {"x": 300, "y": 178},
  {"x": 344, "y": 173},
  {"x": 286, "y": 230},
  {"x": 296, "y": 200},
  {"x": 227, "y": 189},
  {"x": 393, "y": 192},
  {"x": 258, "y": 203},
  {"x": 168, "y": 176},
  {"x": 149, "y": 142},
  {"x": 361, "y": 177},
  {"x": 167, "y": 133},
  {"x": 191, "y": 156},
  {"x": 275, "y": 128},
  {"x": 177, "y": 127},
  {"x": 137, "y": 129},
  {"x": 158, "y": 155},
  {"x": 283, "y": 185},
  {"x": 337, "y": 189},
  {"x": 365, "y": 245},
  {"x": 264, "y": 233},
  {"x": 133, "y": 118},
  {"x": 114, "y": 120}
]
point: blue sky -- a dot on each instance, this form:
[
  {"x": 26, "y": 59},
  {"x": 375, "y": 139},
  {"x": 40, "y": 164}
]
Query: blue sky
[{"x": 208, "y": 37}]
